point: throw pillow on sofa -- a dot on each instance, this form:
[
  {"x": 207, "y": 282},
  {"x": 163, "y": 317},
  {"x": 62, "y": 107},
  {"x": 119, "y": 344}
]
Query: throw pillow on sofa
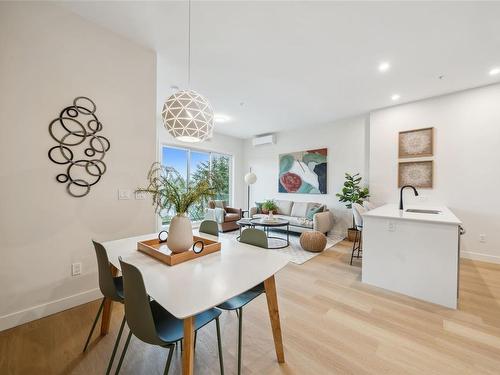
[
  {"x": 314, "y": 210},
  {"x": 284, "y": 207}
]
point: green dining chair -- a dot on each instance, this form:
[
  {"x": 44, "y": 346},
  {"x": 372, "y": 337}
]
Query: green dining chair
[
  {"x": 151, "y": 323},
  {"x": 258, "y": 238},
  {"x": 209, "y": 227},
  {"x": 112, "y": 288}
]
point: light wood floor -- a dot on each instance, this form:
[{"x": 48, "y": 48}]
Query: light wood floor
[{"x": 332, "y": 324}]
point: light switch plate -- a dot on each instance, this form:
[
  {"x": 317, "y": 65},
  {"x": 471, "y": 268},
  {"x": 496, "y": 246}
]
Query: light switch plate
[
  {"x": 76, "y": 269},
  {"x": 124, "y": 194},
  {"x": 140, "y": 195},
  {"x": 391, "y": 226}
]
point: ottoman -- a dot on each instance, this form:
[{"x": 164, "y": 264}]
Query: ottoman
[{"x": 313, "y": 241}]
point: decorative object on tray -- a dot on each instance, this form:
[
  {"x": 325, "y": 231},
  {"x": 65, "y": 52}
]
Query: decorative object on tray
[
  {"x": 199, "y": 247},
  {"x": 351, "y": 193},
  {"x": 163, "y": 236},
  {"x": 313, "y": 241},
  {"x": 416, "y": 173},
  {"x": 303, "y": 172},
  {"x": 80, "y": 148},
  {"x": 171, "y": 192},
  {"x": 269, "y": 219},
  {"x": 269, "y": 206},
  {"x": 416, "y": 143}
]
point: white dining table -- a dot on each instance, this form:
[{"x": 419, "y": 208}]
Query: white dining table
[{"x": 197, "y": 285}]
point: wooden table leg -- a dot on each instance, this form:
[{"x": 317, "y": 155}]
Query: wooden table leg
[
  {"x": 106, "y": 311},
  {"x": 274, "y": 316},
  {"x": 188, "y": 353}
]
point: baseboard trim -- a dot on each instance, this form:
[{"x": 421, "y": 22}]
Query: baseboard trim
[
  {"x": 40, "y": 311},
  {"x": 481, "y": 257}
]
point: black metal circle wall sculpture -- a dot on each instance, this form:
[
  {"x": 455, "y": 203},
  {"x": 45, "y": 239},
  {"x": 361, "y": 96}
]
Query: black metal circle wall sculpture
[{"x": 80, "y": 146}]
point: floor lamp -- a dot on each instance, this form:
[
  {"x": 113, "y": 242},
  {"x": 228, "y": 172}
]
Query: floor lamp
[{"x": 250, "y": 179}]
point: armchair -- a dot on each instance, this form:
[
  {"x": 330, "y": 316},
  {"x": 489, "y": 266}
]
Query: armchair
[{"x": 226, "y": 217}]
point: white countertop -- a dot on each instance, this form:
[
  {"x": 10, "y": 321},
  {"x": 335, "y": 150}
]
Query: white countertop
[{"x": 392, "y": 211}]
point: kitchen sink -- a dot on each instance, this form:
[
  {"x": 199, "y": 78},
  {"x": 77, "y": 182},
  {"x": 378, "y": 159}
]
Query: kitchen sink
[{"x": 419, "y": 211}]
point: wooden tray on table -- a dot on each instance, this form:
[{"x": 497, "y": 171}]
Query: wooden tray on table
[{"x": 159, "y": 250}]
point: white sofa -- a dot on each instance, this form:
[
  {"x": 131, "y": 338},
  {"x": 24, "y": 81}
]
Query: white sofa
[{"x": 296, "y": 212}]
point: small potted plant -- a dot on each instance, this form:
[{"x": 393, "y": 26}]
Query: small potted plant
[
  {"x": 269, "y": 206},
  {"x": 170, "y": 191},
  {"x": 351, "y": 193}
]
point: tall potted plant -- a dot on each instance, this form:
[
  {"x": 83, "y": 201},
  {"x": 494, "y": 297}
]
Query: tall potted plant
[
  {"x": 351, "y": 193},
  {"x": 170, "y": 191}
]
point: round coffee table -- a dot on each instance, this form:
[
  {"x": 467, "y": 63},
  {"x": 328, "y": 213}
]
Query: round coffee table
[{"x": 276, "y": 223}]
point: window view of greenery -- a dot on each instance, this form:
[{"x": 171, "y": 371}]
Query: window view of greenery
[{"x": 195, "y": 165}]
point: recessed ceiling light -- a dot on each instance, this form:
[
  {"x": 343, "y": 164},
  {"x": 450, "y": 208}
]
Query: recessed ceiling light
[
  {"x": 219, "y": 117},
  {"x": 395, "y": 97},
  {"x": 494, "y": 71},
  {"x": 384, "y": 67}
]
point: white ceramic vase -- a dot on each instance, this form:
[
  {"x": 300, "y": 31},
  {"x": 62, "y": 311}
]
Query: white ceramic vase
[{"x": 180, "y": 234}]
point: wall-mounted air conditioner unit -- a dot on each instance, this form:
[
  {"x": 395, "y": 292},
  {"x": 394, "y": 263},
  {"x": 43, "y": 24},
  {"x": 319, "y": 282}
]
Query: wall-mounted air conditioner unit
[{"x": 264, "y": 140}]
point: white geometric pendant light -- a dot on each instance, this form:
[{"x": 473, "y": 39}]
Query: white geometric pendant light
[{"x": 188, "y": 116}]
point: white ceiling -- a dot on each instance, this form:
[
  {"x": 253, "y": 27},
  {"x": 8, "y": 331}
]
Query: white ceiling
[{"x": 296, "y": 64}]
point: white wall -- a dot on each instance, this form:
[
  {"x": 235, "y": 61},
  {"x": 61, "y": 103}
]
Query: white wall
[
  {"x": 48, "y": 57},
  {"x": 346, "y": 141},
  {"x": 466, "y": 161}
]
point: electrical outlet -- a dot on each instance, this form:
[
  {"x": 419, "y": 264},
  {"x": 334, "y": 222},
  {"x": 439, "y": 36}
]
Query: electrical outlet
[
  {"x": 140, "y": 195},
  {"x": 482, "y": 238},
  {"x": 391, "y": 227},
  {"x": 124, "y": 194},
  {"x": 76, "y": 269}
]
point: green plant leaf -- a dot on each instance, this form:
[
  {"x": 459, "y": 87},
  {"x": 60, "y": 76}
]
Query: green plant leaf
[{"x": 352, "y": 192}]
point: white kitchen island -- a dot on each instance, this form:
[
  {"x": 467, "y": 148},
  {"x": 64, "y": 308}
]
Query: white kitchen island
[{"x": 413, "y": 253}]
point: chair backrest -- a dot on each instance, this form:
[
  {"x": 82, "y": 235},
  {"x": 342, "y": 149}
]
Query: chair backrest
[
  {"x": 368, "y": 205},
  {"x": 209, "y": 227},
  {"x": 106, "y": 283},
  {"x": 357, "y": 210},
  {"x": 254, "y": 237},
  {"x": 137, "y": 308}
]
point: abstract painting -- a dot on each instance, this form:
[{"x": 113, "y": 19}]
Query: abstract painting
[
  {"x": 416, "y": 173},
  {"x": 303, "y": 172},
  {"x": 416, "y": 143}
]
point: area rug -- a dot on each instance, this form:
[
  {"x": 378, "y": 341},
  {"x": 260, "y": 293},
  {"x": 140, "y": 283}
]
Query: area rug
[{"x": 294, "y": 252}]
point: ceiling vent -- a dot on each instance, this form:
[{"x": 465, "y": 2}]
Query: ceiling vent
[{"x": 268, "y": 139}]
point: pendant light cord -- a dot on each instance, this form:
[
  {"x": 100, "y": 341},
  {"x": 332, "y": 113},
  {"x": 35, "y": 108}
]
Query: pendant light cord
[{"x": 189, "y": 43}]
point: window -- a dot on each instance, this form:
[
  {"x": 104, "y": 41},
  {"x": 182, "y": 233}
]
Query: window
[{"x": 189, "y": 163}]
